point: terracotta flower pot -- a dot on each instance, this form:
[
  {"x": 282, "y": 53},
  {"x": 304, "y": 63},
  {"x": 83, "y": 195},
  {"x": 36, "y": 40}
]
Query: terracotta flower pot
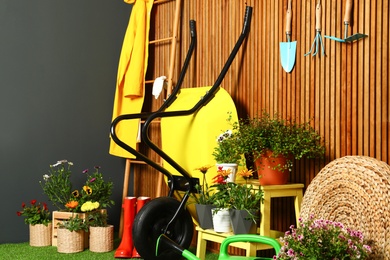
[{"x": 271, "y": 169}]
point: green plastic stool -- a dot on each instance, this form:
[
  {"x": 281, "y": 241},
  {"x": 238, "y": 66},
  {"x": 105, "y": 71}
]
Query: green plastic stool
[{"x": 164, "y": 243}]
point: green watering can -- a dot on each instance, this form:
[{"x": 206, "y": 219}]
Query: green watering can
[{"x": 165, "y": 244}]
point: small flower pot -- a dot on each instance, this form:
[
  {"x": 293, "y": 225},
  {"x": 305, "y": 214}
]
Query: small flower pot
[
  {"x": 205, "y": 218},
  {"x": 101, "y": 239},
  {"x": 40, "y": 235},
  {"x": 70, "y": 241},
  {"x": 233, "y": 170},
  {"x": 221, "y": 220},
  {"x": 241, "y": 222}
]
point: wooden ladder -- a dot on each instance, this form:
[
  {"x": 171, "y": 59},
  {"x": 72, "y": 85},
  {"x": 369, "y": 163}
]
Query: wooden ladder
[{"x": 173, "y": 40}]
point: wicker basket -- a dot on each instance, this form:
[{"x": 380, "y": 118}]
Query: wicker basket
[
  {"x": 70, "y": 241},
  {"x": 40, "y": 235},
  {"x": 101, "y": 239},
  {"x": 354, "y": 190}
]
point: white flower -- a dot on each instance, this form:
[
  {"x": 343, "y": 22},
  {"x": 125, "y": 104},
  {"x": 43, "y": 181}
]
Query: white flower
[{"x": 46, "y": 177}]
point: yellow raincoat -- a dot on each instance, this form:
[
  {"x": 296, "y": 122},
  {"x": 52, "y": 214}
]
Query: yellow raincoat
[{"x": 130, "y": 86}]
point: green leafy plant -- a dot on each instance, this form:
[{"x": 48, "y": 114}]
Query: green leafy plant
[
  {"x": 283, "y": 137},
  {"x": 97, "y": 218},
  {"x": 231, "y": 195},
  {"x": 97, "y": 189},
  {"x": 74, "y": 223},
  {"x": 36, "y": 213},
  {"x": 58, "y": 187},
  {"x": 228, "y": 149},
  {"x": 323, "y": 239},
  {"x": 204, "y": 192}
]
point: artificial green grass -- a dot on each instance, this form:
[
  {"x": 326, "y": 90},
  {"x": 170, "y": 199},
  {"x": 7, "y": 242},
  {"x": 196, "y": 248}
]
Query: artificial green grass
[{"x": 22, "y": 251}]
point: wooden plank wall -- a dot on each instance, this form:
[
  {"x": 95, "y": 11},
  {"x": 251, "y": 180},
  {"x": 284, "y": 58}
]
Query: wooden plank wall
[{"x": 345, "y": 92}]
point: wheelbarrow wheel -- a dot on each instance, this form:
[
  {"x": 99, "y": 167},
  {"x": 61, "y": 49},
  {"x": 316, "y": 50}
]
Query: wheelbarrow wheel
[{"x": 150, "y": 223}]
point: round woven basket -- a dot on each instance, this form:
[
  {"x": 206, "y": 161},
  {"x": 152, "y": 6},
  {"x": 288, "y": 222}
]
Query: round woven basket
[
  {"x": 40, "y": 235},
  {"x": 70, "y": 241},
  {"x": 354, "y": 190},
  {"x": 101, "y": 239}
]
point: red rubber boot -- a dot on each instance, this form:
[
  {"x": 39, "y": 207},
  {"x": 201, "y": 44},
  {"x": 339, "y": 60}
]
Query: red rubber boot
[
  {"x": 125, "y": 249},
  {"x": 141, "y": 201}
]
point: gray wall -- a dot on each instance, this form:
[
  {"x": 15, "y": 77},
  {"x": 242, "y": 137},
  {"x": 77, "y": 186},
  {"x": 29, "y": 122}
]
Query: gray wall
[{"x": 58, "y": 62}]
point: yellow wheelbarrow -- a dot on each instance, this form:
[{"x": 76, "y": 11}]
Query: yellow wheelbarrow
[{"x": 167, "y": 215}]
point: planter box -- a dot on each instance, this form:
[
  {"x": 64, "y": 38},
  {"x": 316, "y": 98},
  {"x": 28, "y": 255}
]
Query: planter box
[{"x": 58, "y": 217}]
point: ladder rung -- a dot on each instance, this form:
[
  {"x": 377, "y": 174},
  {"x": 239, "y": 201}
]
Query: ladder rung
[
  {"x": 154, "y": 121},
  {"x": 161, "y": 1},
  {"x": 161, "y": 40},
  {"x": 137, "y": 161},
  {"x": 149, "y": 81}
]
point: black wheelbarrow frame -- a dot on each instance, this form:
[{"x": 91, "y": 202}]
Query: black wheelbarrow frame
[{"x": 166, "y": 215}]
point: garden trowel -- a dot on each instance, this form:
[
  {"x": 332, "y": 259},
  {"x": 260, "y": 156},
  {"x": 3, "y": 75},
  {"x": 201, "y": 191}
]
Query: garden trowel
[
  {"x": 288, "y": 49},
  {"x": 347, "y": 17}
]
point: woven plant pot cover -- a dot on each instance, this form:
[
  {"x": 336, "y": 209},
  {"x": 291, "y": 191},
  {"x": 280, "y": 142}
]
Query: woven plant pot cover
[
  {"x": 70, "y": 241},
  {"x": 101, "y": 239},
  {"x": 40, "y": 235},
  {"x": 354, "y": 190}
]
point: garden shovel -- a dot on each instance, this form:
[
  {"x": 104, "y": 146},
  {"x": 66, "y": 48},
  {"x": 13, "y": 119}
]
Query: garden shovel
[
  {"x": 347, "y": 17},
  {"x": 288, "y": 49}
]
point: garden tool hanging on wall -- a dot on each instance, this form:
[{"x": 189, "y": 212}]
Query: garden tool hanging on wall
[
  {"x": 288, "y": 49},
  {"x": 318, "y": 38},
  {"x": 347, "y": 18}
]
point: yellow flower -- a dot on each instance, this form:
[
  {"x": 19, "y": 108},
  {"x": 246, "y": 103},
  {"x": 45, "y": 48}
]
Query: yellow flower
[
  {"x": 224, "y": 173},
  {"x": 204, "y": 169},
  {"x": 89, "y": 206},
  {"x": 75, "y": 193},
  {"x": 246, "y": 174},
  {"x": 87, "y": 190}
]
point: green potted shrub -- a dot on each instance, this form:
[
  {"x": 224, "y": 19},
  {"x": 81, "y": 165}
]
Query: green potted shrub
[
  {"x": 70, "y": 235},
  {"x": 101, "y": 234},
  {"x": 275, "y": 142},
  {"x": 227, "y": 152},
  {"x": 240, "y": 202}
]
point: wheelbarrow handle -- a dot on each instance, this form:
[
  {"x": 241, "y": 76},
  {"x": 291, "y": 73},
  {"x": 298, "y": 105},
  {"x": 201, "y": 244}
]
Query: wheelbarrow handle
[
  {"x": 318, "y": 17},
  {"x": 348, "y": 11}
]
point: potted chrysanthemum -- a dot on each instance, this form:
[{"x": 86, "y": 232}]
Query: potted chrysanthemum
[{"x": 323, "y": 239}]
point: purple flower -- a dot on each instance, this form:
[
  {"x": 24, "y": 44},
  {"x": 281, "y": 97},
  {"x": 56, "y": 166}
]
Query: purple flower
[
  {"x": 85, "y": 171},
  {"x": 92, "y": 180}
]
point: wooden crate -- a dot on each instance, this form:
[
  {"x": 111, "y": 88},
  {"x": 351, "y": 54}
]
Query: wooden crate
[{"x": 58, "y": 217}]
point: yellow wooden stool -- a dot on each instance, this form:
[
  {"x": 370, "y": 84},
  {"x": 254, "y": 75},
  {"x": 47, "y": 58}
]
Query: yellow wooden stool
[{"x": 270, "y": 191}]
